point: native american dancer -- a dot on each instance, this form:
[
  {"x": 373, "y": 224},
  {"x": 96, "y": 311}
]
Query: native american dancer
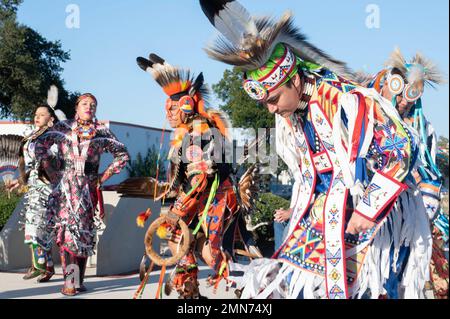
[
  {"x": 200, "y": 179},
  {"x": 349, "y": 153},
  {"x": 403, "y": 83},
  {"x": 73, "y": 201},
  {"x": 39, "y": 228}
]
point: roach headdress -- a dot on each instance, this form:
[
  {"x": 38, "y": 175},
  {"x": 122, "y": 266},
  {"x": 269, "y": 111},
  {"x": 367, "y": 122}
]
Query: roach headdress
[{"x": 181, "y": 86}]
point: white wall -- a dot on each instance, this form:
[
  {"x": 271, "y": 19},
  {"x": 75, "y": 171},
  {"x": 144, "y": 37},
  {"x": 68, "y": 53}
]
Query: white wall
[
  {"x": 13, "y": 128},
  {"x": 137, "y": 139}
]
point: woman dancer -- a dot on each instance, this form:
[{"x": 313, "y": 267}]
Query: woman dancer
[
  {"x": 38, "y": 225},
  {"x": 81, "y": 142}
]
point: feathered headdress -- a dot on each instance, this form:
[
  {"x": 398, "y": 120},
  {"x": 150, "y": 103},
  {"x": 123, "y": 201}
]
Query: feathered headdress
[
  {"x": 419, "y": 71},
  {"x": 52, "y": 101},
  {"x": 181, "y": 86},
  {"x": 248, "y": 42},
  {"x": 408, "y": 78},
  {"x": 174, "y": 81}
]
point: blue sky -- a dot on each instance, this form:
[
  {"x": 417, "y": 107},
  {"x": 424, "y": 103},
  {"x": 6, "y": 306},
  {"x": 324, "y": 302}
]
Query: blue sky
[{"x": 113, "y": 33}]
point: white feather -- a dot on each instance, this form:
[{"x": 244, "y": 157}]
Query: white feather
[
  {"x": 60, "y": 115},
  {"x": 150, "y": 71},
  {"x": 52, "y": 96},
  {"x": 416, "y": 74},
  {"x": 159, "y": 67},
  {"x": 431, "y": 72},
  {"x": 234, "y": 22}
]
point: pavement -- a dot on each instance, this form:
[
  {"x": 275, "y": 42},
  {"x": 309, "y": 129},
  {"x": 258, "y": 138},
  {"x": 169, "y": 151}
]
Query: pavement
[{"x": 12, "y": 286}]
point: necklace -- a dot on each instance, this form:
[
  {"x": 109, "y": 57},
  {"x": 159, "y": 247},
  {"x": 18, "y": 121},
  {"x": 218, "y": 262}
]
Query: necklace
[
  {"x": 35, "y": 134},
  {"x": 85, "y": 129},
  {"x": 84, "y": 132}
]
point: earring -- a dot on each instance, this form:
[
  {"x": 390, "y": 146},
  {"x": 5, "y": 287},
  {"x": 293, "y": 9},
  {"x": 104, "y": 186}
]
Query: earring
[
  {"x": 50, "y": 123},
  {"x": 77, "y": 117}
]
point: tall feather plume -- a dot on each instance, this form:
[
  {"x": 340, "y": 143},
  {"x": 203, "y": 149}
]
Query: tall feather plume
[
  {"x": 52, "y": 96},
  {"x": 60, "y": 115},
  {"x": 253, "y": 49},
  {"x": 156, "y": 59},
  {"x": 145, "y": 65},
  {"x": 52, "y": 101},
  {"x": 176, "y": 80},
  {"x": 172, "y": 79},
  {"x": 198, "y": 83},
  {"x": 230, "y": 18},
  {"x": 159, "y": 64}
]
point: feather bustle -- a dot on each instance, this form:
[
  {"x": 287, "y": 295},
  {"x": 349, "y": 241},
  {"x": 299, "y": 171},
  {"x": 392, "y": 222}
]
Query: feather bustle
[{"x": 10, "y": 146}]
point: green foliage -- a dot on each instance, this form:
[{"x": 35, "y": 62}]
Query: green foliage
[
  {"x": 242, "y": 110},
  {"x": 147, "y": 166},
  {"x": 7, "y": 205},
  {"x": 29, "y": 64},
  {"x": 266, "y": 206},
  {"x": 8, "y": 8},
  {"x": 442, "y": 159}
]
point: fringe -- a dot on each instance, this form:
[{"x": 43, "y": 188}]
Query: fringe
[
  {"x": 271, "y": 279},
  {"x": 407, "y": 225},
  {"x": 39, "y": 229}
]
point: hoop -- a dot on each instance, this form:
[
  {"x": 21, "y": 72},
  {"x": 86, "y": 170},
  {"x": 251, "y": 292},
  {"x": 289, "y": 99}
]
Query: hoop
[{"x": 156, "y": 258}]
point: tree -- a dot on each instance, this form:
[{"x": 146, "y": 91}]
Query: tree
[
  {"x": 242, "y": 110},
  {"x": 442, "y": 156},
  {"x": 29, "y": 64},
  {"x": 8, "y": 8},
  {"x": 147, "y": 166},
  {"x": 268, "y": 203}
]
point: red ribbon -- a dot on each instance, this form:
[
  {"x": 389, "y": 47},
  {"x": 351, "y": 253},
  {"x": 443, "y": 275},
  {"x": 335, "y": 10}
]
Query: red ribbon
[
  {"x": 362, "y": 117},
  {"x": 100, "y": 202}
]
